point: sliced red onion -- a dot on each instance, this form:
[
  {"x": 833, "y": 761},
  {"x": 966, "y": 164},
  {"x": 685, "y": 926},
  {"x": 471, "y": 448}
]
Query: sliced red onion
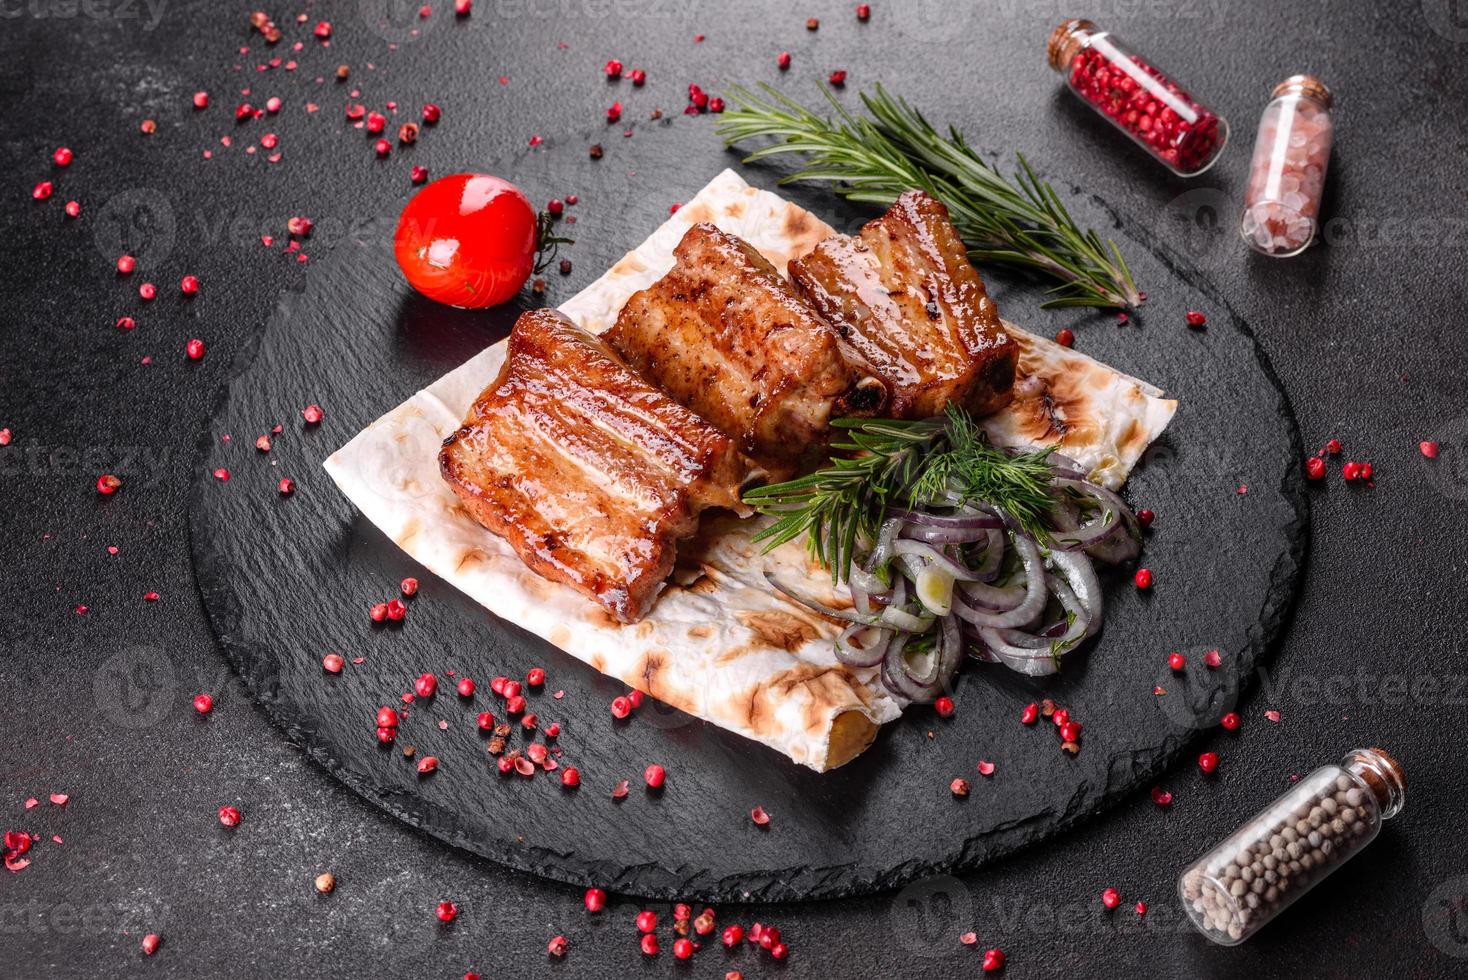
[
  {"x": 973, "y": 521},
  {"x": 1035, "y": 593},
  {"x": 992, "y": 557},
  {"x": 944, "y": 535},
  {"x": 1060, "y": 461},
  {"x": 895, "y": 678},
  {"x": 949, "y": 562},
  {"x": 1109, "y": 547},
  {"x": 1032, "y": 663},
  {"x": 987, "y": 598},
  {"x": 1080, "y": 575},
  {"x": 1072, "y": 629},
  {"x": 809, "y": 603},
  {"x": 904, "y": 621},
  {"x": 926, "y": 683},
  {"x": 863, "y": 646},
  {"x": 1073, "y": 536},
  {"x": 1118, "y": 546},
  {"x": 882, "y": 551},
  {"x": 932, "y": 556}
]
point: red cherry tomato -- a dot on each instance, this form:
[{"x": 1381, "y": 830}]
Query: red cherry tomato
[{"x": 468, "y": 240}]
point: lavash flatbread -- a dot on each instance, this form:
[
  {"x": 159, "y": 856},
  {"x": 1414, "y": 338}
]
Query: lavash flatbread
[{"x": 718, "y": 644}]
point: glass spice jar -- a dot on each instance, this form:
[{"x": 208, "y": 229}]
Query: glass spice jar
[
  {"x": 1287, "y": 175},
  {"x": 1231, "y": 892},
  {"x": 1140, "y": 100}
]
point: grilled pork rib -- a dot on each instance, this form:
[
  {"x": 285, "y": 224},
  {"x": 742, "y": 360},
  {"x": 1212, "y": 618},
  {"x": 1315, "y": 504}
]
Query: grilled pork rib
[
  {"x": 589, "y": 472},
  {"x": 724, "y": 334},
  {"x": 905, "y": 297}
]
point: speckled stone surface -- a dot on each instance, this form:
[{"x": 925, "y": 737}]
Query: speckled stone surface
[{"x": 1363, "y": 333}]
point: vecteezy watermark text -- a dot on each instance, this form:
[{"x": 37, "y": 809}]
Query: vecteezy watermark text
[{"x": 148, "y": 12}]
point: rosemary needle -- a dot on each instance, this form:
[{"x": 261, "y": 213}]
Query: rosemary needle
[{"x": 892, "y": 148}]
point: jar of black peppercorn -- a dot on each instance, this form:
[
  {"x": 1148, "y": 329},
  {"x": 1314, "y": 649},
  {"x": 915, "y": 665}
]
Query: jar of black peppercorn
[
  {"x": 1231, "y": 892},
  {"x": 1159, "y": 115}
]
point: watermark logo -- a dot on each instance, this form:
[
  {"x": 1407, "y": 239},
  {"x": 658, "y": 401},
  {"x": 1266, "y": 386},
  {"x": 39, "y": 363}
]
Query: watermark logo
[
  {"x": 935, "y": 21},
  {"x": 134, "y": 688},
  {"x": 1447, "y": 18},
  {"x": 929, "y": 914},
  {"x": 1201, "y": 223},
  {"x": 1199, "y": 696},
  {"x": 139, "y": 222},
  {"x": 1445, "y": 917},
  {"x": 400, "y": 21}
]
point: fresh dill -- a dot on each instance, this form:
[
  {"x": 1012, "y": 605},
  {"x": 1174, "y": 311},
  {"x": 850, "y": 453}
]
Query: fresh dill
[{"x": 892, "y": 463}]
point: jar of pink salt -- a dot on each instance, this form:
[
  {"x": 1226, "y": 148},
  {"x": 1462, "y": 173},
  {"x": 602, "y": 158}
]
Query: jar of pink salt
[
  {"x": 1137, "y": 97},
  {"x": 1287, "y": 175}
]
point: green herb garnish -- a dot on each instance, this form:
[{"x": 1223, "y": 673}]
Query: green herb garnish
[
  {"x": 876, "y": 157},
  {"x": 900, "y": 463}
]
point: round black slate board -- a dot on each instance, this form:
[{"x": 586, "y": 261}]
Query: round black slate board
[{"x": 288, "y": 579}]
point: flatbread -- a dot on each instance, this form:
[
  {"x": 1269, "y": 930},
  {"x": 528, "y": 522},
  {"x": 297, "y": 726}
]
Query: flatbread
[{"x": 718, "y": 644}]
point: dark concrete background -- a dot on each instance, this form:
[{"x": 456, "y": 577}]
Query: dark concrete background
[{"x": 1365, "y": 333}]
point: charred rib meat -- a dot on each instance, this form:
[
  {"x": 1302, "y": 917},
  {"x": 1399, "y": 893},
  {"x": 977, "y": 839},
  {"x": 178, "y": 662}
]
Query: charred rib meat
[
  {"x": 905, "y": 296},
  {"x": 590, "y": 473},
  {"x": 724, "y": 334}
]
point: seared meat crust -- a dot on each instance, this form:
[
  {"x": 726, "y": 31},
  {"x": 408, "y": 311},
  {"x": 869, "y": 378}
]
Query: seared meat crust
[
  {"x": 724, "y": 334},
  {"x": 904, "y": 295},
  {"x": 590, "y": 473}
]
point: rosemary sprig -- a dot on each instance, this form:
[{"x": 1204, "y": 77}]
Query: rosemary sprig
[
  {"x": 902, "y": 463},
  {"x": 875, "y": 157}
]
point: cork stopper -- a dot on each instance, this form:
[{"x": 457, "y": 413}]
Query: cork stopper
[
  {"x": 1306, "y": 85},
  {"x": 1066, "y": 41},
  {"x": 1383, "y": 775}
]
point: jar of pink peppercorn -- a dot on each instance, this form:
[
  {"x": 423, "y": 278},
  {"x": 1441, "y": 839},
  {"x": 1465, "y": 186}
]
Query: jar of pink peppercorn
[
  {"x": 1159, "y": 115},
  {"x": 1287, "y": 175}
]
